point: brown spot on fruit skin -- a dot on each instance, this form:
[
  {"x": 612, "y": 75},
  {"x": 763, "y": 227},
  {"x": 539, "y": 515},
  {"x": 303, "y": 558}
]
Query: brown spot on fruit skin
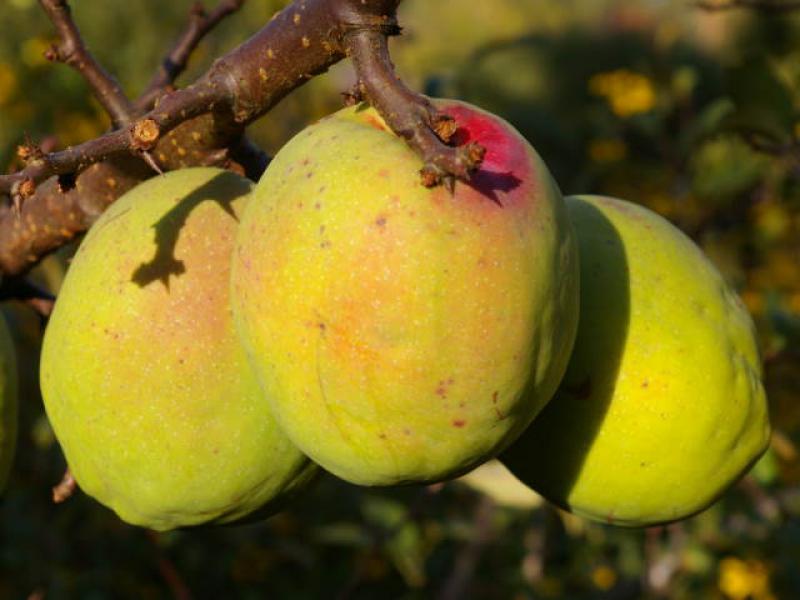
[
  {"x": 441, "y": 389},
  {"x": 497, "y": 411},
  {"x": 380, "y": 221},
  {"x": 459, "y": 423}
]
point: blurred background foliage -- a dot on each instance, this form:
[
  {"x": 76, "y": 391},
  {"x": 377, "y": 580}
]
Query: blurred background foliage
[{"x": 692, "y": 113}]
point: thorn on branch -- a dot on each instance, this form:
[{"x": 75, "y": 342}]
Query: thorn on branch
[
  {"x": 151, "y": 162},
  {"x": 65, "y": 489}
]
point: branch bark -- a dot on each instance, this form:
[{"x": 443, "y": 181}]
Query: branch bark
[
  {"x": 73, "y": 52},
  {"x": 204, "y": 123},
  {"x": 199, "y": 25}
]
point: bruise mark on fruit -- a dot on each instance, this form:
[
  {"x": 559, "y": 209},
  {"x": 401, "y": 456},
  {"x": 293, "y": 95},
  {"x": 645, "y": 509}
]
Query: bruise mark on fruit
[
  {"x": 382, "y": 436},
  {"x": 645, "y": 383},
  {"x": 318, "y": 205},
  {"x": 381, "y": 221},
  {"x": 459, "y": 423},
  {"x": 407, "y": 431},
  {"x": 383, "y": 173}
]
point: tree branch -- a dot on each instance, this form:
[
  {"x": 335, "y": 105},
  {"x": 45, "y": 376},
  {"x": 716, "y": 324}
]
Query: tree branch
[
  {"x": 199, "y": 25},
  {"x": 203, "y": 123},
  {"x": 409, "y": 114},
  {"x": 73, "y": 52}
]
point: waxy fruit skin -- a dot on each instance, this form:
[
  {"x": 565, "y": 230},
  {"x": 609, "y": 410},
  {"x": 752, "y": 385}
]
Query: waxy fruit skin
[
  {"x": 405, "y": 334},
  {"x": 662, "y": 405}
]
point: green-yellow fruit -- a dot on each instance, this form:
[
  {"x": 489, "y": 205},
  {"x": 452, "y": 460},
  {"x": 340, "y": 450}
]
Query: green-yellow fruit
[
  {"x": 148, "y": 390},
  {"x": 405, "y": 334},
  {"x": 8, "y": 402},
  {"x": 662, "y": 405}
]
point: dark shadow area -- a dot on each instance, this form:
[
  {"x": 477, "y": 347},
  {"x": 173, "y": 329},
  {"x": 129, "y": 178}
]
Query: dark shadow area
[
  {"x": 488, "y": 183},
  {"x": 168, "y": 228},
  {"x": 550, "y": 453}
]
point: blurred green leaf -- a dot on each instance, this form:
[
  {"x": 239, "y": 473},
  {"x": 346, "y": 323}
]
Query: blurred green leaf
[{"x": 764, "y": 103}]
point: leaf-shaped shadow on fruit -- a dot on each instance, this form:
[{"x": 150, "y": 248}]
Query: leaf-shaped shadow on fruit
[
  {"x": 168, "y": 228},
  {"x": 491, "y": 184},
  {"x": 550, "y": 454}
]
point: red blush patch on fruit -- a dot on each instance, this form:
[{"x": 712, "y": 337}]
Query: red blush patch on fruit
[{"x": 506, "y": 174}]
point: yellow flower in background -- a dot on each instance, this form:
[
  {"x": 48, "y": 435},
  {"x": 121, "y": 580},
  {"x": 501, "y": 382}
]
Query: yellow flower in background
[
  {"x": 628, "y": 93},
  {"x": 8, "y": 83},
  {"x": 604, "y": 577},
  {"x": 742, "y": 580},
  {"x": 607, "y": 150},
  {"x": 754, "y": 301}
]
